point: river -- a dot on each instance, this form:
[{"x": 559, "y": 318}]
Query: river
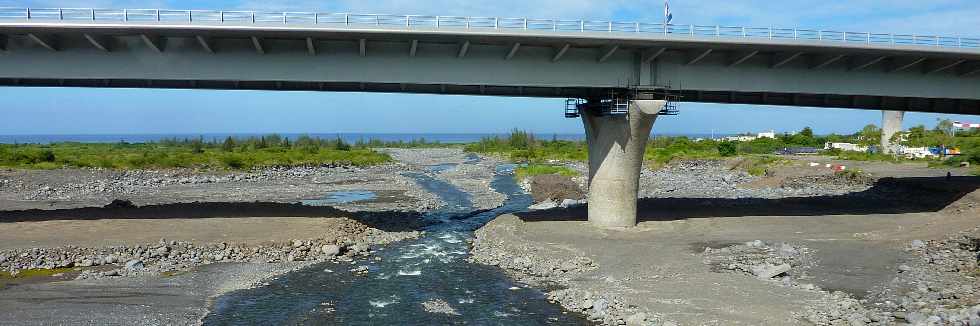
[{"x": 424, "y": 281}]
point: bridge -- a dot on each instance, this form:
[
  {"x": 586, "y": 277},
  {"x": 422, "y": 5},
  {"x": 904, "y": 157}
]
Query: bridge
[{"x": 626, "y": 72}]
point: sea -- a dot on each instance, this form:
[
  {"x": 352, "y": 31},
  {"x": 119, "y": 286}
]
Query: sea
[{"x": 446, "y": 138}]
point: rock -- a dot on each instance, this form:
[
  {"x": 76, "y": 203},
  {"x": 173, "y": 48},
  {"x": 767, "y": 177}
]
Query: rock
[
  {"x": 330, "y": 250},
  {"x": 297, "y": 243},
  {"x": 918, "y": 244},
  {"x": 110, "y": 259},
  {"x": 85, "y": 263},
  {"x": 120, "y": 203},
  {"x": 548, "y": 204},
  {"x": 904, "y": 268},
  {"x": 637, "y": 319},
  {"x": 787, "y": 251},
  {"x": 134, "y": 265},
  {"x": 767, "y": 271},
  {"x": 566, "y": 203},
  {"x": 111, "y": 273},
  {"x": 755, "y": 244}
]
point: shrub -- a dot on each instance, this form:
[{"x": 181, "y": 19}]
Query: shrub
[{"x": 727, "y": 148}]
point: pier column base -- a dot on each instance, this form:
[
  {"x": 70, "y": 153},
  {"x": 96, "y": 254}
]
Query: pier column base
[
  {"x": 891, "y": 123},
  {"x": 616, "y": 145}
]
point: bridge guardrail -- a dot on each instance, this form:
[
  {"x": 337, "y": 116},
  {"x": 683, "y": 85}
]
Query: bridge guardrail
[{"x": 423, "y": 21}]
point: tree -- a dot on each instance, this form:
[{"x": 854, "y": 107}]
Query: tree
[
  {"x": 806, "y": 132},
  {"x": 228, "y": 145},
  {"x": 727, "y": 148},
  {"x": 869, "y": 135},
  {"x": 946, "y": 127}
]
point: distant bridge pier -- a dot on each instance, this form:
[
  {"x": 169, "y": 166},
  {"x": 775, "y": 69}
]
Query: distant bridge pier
[
  {"x": 891, "y": 123},
  {"x": 616, "y": 145}
]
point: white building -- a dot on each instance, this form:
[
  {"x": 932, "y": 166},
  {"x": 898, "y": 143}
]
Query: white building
[
  {"x": 771, "y": 134},
  {"x": 846, "y": 147},
  {"x": 915, "y": 152}
]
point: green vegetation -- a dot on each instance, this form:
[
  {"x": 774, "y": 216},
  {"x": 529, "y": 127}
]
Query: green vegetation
[
  {"x": 531, "y": 170},
  {"x": 231, "y": 153},
  {"x": 38, "y": 272},
  {"x": 521, "y": 146},
  {"x": 759, "y": 165},
  {"x": 863, "y": 156},
  {"x": 663, "y": 150}
]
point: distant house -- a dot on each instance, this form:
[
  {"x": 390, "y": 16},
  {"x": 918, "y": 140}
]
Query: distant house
[
  {"x": 771, "y": 134},
  {"x": 846, "y": 147}
]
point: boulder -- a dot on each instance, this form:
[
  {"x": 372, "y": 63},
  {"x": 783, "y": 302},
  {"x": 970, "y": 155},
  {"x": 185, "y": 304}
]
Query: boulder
[
  {"x": 767, "y": 271},
  {"x": 548, "y": 204},
  {"x": 134, "y": 265},
  {"x": 330, "y": 250}
]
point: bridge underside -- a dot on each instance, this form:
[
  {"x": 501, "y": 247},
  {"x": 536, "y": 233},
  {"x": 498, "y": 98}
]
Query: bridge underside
[
  {"x": 916, "y": 104},
  {"x": 491, "y": 62}
]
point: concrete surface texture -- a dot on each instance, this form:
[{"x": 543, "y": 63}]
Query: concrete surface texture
[
  {"x": 891, "y": 123},
  {"x": 616, "y": 146}
]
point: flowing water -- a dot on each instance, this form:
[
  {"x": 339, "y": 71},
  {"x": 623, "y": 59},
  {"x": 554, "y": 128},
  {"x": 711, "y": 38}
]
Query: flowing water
[{"x": 425, "y": 281}]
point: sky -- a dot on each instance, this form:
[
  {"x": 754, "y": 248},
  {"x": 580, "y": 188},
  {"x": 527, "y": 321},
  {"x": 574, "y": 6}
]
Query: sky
[{"x": 128, "y": 111}]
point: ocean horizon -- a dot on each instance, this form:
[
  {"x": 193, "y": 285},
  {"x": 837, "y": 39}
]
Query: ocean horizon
[{"x": 449, "y": 138}]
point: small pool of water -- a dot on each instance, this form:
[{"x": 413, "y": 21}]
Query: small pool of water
[{"x": 341, "y": 197}]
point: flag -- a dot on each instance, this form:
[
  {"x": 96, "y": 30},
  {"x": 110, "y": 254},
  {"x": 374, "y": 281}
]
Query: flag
[{"x": 668, "y": 17}]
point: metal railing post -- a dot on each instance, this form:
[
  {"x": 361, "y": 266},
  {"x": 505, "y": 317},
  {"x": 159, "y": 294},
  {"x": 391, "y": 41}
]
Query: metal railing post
[
  {"x": 93, "y": 14},
  {"x": 438, "y": 23},
  {"x": 221, "y": 16},
  {"x": 610, "y": 26},
  {"x": 158, "y": 14},
  {"x": 408, "y": 21},
  {"x": 692, "y": 30},
  {"x": 582, "y": 25},
  {"x": 467, "y": 22},
  {"x": 125, "y": 15},
  {"x": 796, "y": 34},
  {"x": 496, "y": 22},
  {"x": 29, "y": 13},
  {"x": 284, "y": 17},
  {"x": 744, "y": 33},
  {"x": 869, "y": 37},
  {"x": 190, "y": 16},
  {"x": 253, "y": 17},
  {"x": 61, "y": 14},
  {"x": 637, "y": 29},
  {"x": 718, "y": 30},
  {"x": 377, "y": 20},
  {"x": 770, "y": 32},
  {"x": 554, "y": 25},
  {"x": 347, "y": 19},
  {"x": 525, "y": 23},
  {"x": 820, "y": 35}
]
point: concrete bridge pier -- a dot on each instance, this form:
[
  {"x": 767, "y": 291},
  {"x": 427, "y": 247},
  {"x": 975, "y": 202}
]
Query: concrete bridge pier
[
  {"x": 891, "y": 123},
  {"x": 616, "y": 145}
]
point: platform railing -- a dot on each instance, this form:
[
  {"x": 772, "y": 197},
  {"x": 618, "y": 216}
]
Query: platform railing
[{"x": 350, "y": 20}]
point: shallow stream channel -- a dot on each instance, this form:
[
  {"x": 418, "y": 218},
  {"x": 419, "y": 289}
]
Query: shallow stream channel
[{"x": 418, "y": 282}]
